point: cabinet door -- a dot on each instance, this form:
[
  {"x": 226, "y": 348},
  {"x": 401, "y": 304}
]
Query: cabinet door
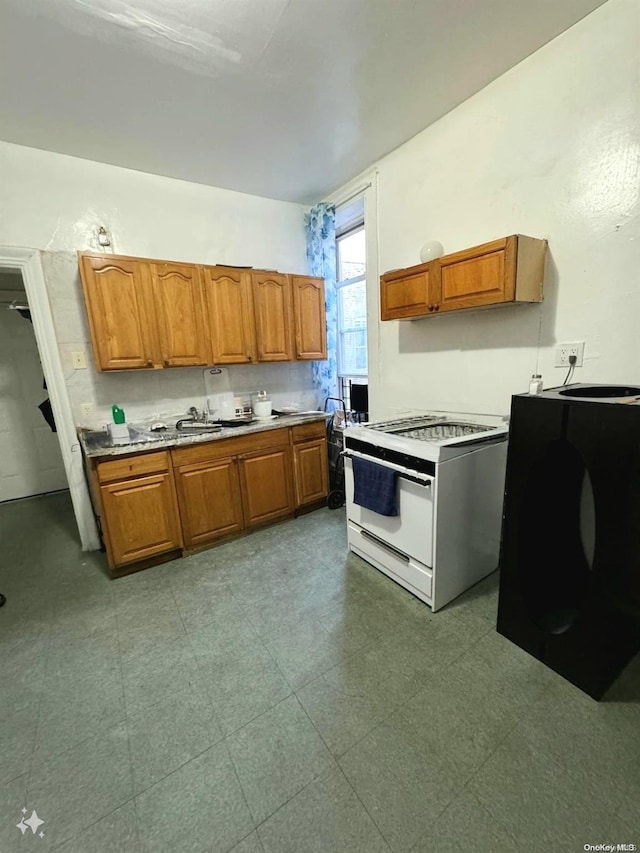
[
  {"x": 120, "y": 310},
  {"x": 311, "y": 471},
  {"x": 209, "y": 500},
  {"x": 141, "y": 518},
  {"x": 482, "y": 276},
  {"x": 180, "y": 310},
  {"x": 272, "y": 302},
  {"x": 310, "y": 317},
  {"x": 266, "y": 486},
  {"x": 408, "y": 293},
  {"x": 229, "y": 305}
]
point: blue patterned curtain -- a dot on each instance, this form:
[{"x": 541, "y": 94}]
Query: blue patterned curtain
[{"x": 321, "y": 258}]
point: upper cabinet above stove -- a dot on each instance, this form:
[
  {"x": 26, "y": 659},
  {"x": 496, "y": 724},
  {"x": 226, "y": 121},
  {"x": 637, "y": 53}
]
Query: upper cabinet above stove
[
  {"x": 502, "y": 272},
  {"x": 148, "y": 314}
]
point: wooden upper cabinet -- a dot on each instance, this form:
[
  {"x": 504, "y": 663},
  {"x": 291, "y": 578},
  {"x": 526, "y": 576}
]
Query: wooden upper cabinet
[
  {"x": 179, "y": 304},
  {"x": 406, "y": 293},
  {"x": 230, "y": 317},
  {"x": 310, "y": 318},
  {"x": 145, "y": 313},
  {"x": 481, "y": 276},
  {"x": 120, "y": 311},
  {"x": 272, "y": 303},
  {"x": 506, "y": 271}
]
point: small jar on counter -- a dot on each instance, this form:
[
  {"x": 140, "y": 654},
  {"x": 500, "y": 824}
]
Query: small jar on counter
[{"x": 535, "y": 386}]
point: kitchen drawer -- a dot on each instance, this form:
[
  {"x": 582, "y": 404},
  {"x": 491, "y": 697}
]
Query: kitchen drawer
[
  {"x": 217, "y": 448},
  {"x": 133, "y": 466},
  {"x": 303, "y": 432},
  {"x": 406, "y": 571}
]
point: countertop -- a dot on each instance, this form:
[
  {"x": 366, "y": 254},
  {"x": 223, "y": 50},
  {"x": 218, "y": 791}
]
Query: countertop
[{"x": 98, "y": 443}]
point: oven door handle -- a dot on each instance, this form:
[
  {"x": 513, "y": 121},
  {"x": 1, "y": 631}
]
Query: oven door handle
[{"x": 405, "y": 473}]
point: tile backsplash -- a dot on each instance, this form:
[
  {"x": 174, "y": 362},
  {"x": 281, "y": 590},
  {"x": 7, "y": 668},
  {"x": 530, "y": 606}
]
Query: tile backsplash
[{"x": 147, "y": 394}]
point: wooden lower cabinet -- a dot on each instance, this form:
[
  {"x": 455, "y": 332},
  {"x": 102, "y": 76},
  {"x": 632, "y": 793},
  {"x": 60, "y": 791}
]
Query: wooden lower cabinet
[
  {"x": 266, "y": 486},
  {"x": 141, "y": 517},
  {"x": 209, "y": 499},
  {"x": 311, "y": 471},
  {"x": 160, "y": 503}
]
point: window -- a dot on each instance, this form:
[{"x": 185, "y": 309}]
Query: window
[
  {"x": 352, "y": 303},
  {"x": 351, "y": 291}
]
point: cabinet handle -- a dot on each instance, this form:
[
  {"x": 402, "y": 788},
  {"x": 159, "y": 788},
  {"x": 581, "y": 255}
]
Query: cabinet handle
[
  {"x": 165, "y": 361},
  {"x": 436, "y": 307},
  {"x": 149, "y": 363},
  {"x": 249, "y": 357},
  {"x": 430, "y": 308}
]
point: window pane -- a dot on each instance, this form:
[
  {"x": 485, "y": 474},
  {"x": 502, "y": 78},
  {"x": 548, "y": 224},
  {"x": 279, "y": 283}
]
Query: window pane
[
  {"x": 353, "y": 305},
  {"x": 354, "y": 352},
  {"x": 352, "y": 313},
  {"x": 351, "y": 255}
]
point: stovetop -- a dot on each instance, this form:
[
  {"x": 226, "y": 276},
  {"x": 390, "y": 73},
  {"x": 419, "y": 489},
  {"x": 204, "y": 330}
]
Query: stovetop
[
  {"x": 436, "y": 436},
  {"x": 430, "y": 428}
]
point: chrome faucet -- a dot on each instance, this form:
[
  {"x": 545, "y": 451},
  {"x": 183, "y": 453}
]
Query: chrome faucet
[
  {"x": 195, "y": 418},
  {"x": 197, "y": 422}
]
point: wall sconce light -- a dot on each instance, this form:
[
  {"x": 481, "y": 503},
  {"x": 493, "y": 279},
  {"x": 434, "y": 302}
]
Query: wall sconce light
[{"x": 103, "y": 237}]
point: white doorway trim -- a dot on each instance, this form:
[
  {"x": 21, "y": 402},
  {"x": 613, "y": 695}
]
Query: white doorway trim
[{"x": 28, "y": 263}]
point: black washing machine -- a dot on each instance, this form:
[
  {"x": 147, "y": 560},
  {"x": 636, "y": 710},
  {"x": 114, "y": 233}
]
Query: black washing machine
[{"x": 570, "y": 552}]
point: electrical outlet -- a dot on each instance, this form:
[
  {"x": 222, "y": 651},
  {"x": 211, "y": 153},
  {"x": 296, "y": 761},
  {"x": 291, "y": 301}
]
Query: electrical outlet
[
  {"x": 86, "y": 410},
  {"x": 78, "y": 360},
  {"x": 563, "y": 351}
]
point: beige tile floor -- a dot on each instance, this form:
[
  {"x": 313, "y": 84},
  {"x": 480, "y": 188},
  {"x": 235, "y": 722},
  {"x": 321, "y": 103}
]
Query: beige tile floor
[{"x": 275, "y": 695}]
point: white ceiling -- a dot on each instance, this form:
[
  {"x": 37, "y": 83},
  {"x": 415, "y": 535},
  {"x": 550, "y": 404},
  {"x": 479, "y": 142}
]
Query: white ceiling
[{"x": 287, "y": 99}]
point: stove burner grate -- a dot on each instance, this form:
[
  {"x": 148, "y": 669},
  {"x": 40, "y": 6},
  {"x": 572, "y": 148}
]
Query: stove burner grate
[{"x": 441, "y": 431}]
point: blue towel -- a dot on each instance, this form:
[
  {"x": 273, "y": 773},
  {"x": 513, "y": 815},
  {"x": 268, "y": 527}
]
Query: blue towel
[{"x": 375, "y": 486}]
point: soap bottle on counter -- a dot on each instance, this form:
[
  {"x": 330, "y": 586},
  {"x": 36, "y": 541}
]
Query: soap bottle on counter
[
  {"x": 118, "y": 429},
  {"x": 535, "y": 386}
]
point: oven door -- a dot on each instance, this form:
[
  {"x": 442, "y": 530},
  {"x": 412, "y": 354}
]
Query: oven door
[{"x": 411, "y": 531}]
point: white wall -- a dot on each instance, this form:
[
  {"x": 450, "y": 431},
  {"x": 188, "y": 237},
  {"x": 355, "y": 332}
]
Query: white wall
[
  {"x": 30, "y": 461},
  {"x": 55, "y": 203},
  {"x": 550, "y": 149},
  {"x": 51, "y": 201}
]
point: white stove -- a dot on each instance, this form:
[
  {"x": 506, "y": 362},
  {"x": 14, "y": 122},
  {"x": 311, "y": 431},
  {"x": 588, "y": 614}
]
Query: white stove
[{"x": 450, "y": 471}]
